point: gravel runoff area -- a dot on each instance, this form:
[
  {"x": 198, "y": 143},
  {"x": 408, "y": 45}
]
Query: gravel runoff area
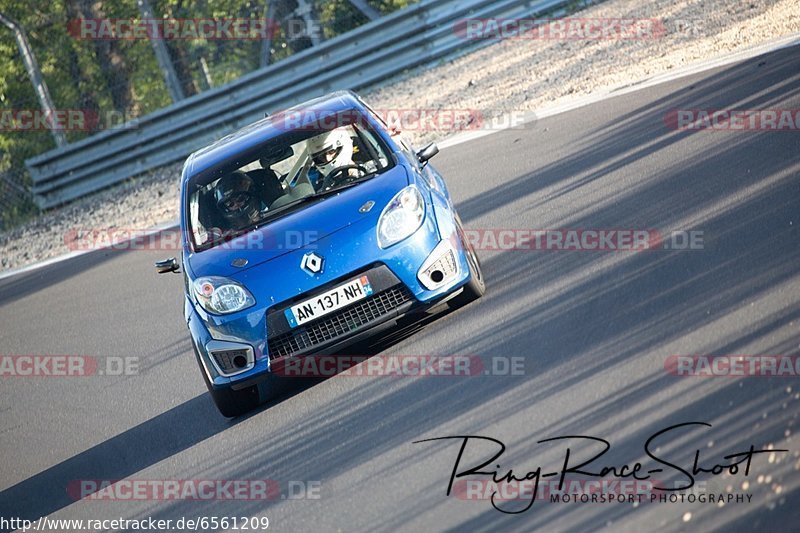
[{"x": 510, "y": 76}]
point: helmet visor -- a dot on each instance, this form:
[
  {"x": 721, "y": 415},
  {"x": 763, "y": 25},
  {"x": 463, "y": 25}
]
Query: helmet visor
[
  {"x": 325, "y": 157},
  {"x": 235, "y": 202}
]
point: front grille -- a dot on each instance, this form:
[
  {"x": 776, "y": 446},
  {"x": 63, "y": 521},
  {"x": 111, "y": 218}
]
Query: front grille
[
  {"x": 339, "y": 323},
  {"x": 225, "y": 359}
]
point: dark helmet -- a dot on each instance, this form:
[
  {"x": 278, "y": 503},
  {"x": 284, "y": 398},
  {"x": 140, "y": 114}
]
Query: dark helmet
[{"x": 236, "y": 198}]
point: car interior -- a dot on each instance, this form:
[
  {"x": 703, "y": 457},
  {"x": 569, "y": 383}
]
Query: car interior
[{"x": 280, "y": 176}]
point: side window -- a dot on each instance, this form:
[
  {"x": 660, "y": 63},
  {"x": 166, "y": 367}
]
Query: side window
[
  {"x": 407, "y": 148},
  {"x": 198, "y": 229},
  {"x": 373, "y": 113},
  {"x": 402, "y": 141},
  {"x": 383, "y": 160}
]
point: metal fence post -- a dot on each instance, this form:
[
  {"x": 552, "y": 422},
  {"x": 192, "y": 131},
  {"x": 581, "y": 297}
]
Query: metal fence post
[{"x": 35, "y": 75}]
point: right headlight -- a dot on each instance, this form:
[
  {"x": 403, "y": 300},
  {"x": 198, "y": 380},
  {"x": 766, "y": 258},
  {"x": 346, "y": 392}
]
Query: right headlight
[
  {"x": 401, "y": 217},
  {"x": 221, "y": 296}
]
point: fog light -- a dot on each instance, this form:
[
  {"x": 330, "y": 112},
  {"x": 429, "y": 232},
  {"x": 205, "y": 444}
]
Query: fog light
[
  {"x": 230, "y": 358},
  {"x": 440, "y": 266}
]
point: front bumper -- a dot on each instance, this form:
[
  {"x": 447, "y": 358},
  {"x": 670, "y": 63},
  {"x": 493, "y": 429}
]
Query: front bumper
[
  {"x": 399, "y": 289},
  {"x": 390, "y": 297}
]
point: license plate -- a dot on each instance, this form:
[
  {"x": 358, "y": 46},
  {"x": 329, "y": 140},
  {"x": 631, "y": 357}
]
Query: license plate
[{"x": 328, "y": 302}]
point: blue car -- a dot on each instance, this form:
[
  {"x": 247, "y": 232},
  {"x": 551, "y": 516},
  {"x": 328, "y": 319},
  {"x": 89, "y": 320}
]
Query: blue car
[{"x": 306, "y": 232}]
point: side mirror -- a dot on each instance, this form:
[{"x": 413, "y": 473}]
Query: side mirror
[
  {"x": 426, "y": 153},
  {"x": 167, "y": 265}
]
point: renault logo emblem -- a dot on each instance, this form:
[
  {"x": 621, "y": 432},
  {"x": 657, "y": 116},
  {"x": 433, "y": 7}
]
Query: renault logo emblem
[{"x": 312, "y": 263}]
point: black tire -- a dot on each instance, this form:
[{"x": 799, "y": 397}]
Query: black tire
[
  {"x": 476, "y": 286},
  {"x": 230, "y": 403}
]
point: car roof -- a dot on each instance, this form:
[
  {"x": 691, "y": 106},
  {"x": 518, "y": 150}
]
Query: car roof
[{"x": 262, "y": 130}]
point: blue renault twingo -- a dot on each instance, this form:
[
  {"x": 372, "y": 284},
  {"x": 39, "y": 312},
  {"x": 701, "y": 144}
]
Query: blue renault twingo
[{"x": 305, "y": 232}]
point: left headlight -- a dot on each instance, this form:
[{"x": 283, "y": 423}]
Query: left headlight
[
  {"x": 221, "y": 296},
  {"x": 401, "y": 217}
]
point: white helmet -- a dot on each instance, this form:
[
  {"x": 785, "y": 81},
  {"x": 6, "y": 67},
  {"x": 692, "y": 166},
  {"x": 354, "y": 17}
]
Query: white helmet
[{"x": 331, "y": 150}]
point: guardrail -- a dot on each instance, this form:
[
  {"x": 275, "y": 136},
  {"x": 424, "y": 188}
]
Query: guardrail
[{"x": 414, "y": 36}]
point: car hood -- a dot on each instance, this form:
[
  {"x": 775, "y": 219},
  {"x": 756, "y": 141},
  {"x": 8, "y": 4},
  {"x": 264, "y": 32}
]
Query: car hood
[{"x": 300, "y": 228}]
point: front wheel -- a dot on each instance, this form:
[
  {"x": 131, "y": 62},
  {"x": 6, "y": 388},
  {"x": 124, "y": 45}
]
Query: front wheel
[
  {"x": 230, "y": 403},
  {"x": 476, "y": 286}
]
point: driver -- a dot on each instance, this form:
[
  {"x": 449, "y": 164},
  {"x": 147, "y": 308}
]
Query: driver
[
  {"x": 238, "y": 200},
  {"x": 329, "y": 151}
]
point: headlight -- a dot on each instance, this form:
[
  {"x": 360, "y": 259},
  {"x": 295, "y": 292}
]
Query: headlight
[
  {"x": 221, "y": 295},
  {"x": 401, "y": 217}
]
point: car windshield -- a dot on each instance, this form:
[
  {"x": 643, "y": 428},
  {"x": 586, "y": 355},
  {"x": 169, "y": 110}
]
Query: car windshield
[{"x": 285, "y": 174}]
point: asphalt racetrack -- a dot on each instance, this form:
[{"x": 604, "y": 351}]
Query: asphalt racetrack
[{"x": 591, "y": 334}]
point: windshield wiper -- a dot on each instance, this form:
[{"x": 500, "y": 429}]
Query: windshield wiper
[
  {"x": 230, "y": 235},
  {"x": 362, "y": 179},
  {"x": 318, "y": 195},
  {"x": 269, "y": 215}
]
